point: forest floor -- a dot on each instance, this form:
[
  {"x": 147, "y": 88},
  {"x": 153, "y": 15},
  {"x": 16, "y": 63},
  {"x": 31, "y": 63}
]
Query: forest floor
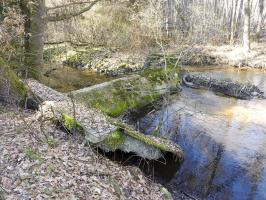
[{"x": 38, "y": 161}]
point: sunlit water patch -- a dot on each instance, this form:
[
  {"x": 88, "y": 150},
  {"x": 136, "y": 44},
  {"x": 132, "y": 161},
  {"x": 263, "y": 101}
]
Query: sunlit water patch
[{"x": 224, "y": 140}]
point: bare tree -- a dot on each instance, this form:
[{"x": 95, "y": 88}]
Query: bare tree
[
  {"x": 260, "y": 18},
  {"x": 34, "y": 29},
  {"x": 246, "y": 27},
  {"x": 37, "y": 15}
]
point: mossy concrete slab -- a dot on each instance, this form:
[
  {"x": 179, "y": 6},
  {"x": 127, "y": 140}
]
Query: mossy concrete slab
[
  {"x": 107, "y": 133},
  {"x": 74, "y": 116},
  {"x": 101, "y": 130},
  {"x": 115, "y": 97}
]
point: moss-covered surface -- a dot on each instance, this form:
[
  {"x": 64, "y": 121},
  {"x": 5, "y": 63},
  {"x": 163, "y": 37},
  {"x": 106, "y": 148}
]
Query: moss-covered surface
[
  {"x": 161, "y": 75},
  {"x": 17, "y": 89},
  {"x": 121, "y": 95},
  {"x": 166, "y": 193},
  {"x": 114, "y": 140},
  {"x": 143, "y": 138},
  {"x": 115, "y": 98},
  {"x": 53, "y": 52},
  {"x": 71, "y": 124}
]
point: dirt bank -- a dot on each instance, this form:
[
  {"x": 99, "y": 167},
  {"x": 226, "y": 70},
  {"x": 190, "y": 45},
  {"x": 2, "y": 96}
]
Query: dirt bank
[{"x": 235, "y": 56}]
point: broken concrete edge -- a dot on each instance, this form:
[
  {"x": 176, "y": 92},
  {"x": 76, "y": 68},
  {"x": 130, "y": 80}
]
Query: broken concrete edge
[
  {"x": 115, "y": 139},
  {"x": 160, "y": 143},
  {"x": 102, "y": 85},
  {"x": 120, "y": 95},
  {"x": 112, "y": 137}
]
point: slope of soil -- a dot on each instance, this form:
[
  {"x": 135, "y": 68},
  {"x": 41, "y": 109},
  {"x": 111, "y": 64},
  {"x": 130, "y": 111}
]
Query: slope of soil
[{"x": 38, "y": 161}]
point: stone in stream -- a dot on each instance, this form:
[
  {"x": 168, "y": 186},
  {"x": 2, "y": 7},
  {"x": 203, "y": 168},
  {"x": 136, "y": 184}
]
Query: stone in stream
[
  {"x": 99, "y": 129},
  {"x": 225, "y": 86}
]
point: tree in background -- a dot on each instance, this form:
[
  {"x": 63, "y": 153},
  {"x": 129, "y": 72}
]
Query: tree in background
[
  {"x": 194, "y": 21},
  {"x": 34, "y": 12},
  {"x": 246, "y": 26},
  {"x": 36, "y": 15},
  {"x": 261, "y": 17}
]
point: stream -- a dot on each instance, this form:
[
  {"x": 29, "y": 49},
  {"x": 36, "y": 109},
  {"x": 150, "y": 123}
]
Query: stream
[{"x": 224, "y": 139}]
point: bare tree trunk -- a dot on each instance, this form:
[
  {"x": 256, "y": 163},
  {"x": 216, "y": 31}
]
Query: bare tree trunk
[
  {"x": 260, "y": 19},
  {"x": 233, "y": 22},
  {"x": 34, "y": 29},
  {"x": 36, "y": 18},
  {"x": 246, "y": 28}
]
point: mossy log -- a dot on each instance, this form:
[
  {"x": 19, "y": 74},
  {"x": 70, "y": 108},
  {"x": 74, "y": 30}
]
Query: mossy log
[
  {"x": 227, "y": 87},
  {"x": 12, "y": 89}
]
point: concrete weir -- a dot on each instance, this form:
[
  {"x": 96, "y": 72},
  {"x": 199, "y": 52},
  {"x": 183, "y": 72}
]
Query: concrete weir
[{"x": 100, "y": 130}]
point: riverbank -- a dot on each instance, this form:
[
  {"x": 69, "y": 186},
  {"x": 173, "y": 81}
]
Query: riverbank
[
  {"x": 39, "y": 161},
  {"x": 104, "y": 61},
  {"x": 235, "y": 56},
  {"x": 38, "y": 151}
]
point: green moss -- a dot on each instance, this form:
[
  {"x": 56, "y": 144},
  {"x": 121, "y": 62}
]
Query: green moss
[
  {"x": 53, "y": 52},
  {"x": 17, "y": 87},
  {"x": 121, "y": 95},
  {"x": 115, "y": 99},
  {"x": 155, "y": 132},
  {"x": 115, "y": 140},
  {"x": 141, "y": 137},
  {"x": 167, "y": 195},
  {"x": 71, "y": 124},
  {"x": 159, "y": 75}
]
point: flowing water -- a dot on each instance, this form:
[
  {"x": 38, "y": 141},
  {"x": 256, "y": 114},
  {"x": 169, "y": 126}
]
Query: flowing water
[{"x": 224, "y": 140}]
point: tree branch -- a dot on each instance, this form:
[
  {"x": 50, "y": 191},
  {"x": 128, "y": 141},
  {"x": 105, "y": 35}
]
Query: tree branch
[
  {"x": 64, "y": 16},
  {"x": 67, "y": 5}
]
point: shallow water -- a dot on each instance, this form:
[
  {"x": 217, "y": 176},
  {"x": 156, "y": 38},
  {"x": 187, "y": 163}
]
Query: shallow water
[
  {"x": 224, "y": 140},
  {"x": 66, "y": 79}
]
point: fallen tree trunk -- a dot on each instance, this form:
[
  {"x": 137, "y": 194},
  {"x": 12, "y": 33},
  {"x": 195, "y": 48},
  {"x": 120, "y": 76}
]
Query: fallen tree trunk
[{"x": 234, "y": 89}]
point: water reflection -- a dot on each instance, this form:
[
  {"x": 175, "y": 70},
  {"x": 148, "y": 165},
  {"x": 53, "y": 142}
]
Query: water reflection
[{"x": 224, "y": 140}]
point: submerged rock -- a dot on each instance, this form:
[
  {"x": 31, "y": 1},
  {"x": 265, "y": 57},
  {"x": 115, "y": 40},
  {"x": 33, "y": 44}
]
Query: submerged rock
[{"x": 225, "y": 86}]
